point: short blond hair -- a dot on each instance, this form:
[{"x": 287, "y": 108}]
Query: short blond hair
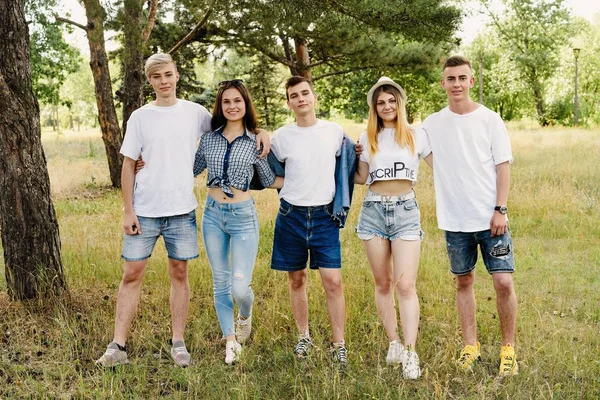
[{"x": 157, "y": 61}]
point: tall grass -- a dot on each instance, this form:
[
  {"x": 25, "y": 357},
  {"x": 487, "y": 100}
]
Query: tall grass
[{"x": 554, "y": 216}]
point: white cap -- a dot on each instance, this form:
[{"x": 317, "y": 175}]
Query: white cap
[{"x": 384, "y": 80}]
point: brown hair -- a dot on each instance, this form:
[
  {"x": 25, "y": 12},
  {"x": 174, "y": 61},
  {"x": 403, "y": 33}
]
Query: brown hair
[
  {"x": 457, "y": 61},
  {"x": 296, "y": 80},
  {"x": 218, "y": 119},
  {"x": 403, "y": 135}
]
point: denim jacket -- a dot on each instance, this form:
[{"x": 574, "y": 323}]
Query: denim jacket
[{"x": 345, "y": 166}]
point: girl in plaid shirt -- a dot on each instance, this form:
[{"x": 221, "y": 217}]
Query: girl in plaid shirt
[{"x": 230, "y": 222}]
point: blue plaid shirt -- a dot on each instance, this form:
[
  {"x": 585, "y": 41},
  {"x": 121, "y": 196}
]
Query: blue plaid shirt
[{"x": 231, "y": 164}]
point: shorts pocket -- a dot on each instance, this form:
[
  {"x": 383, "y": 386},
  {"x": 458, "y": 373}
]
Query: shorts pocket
[{"x": 410, "y": 204}]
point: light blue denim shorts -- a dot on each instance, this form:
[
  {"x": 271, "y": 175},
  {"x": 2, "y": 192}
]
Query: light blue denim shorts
[
  {"x": 178, "y": 231},
  {"x": 390, "y": 217}
]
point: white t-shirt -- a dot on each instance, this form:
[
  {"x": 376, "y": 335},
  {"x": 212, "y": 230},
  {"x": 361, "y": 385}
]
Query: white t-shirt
[
  {"x": 166, "y": 138},
  {"x": 392, "y": 161},
  {"x": 466, "y": 149},
  {"x": 309, "y": 155}
]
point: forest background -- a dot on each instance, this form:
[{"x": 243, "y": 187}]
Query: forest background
[{"x": 525, "y": 66}]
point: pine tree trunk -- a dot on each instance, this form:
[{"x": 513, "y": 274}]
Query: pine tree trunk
[
  {"x": 302, "y": 57},
  {"x": 30, "y": 235},
  {"x": 107, "y": 115},
  {"x": 133, "y": 59}
]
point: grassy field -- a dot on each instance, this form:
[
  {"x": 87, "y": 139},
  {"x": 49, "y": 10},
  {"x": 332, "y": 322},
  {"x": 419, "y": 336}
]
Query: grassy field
[{"x": 555, "y": 214}]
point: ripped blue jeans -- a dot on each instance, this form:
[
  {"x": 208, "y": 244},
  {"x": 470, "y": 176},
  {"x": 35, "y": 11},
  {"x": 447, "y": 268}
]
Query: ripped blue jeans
[
  {"x": 230, "y": 234},
  {"x": 497, "y": 251}
]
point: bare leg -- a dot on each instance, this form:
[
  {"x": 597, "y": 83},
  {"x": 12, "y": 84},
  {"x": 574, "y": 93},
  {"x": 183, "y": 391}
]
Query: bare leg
[
  {"x": 299, "y": 298},
  {"x": 128, "y": 298},
  {"x": 406, "y": 255},
  {"x": 180, "y": 297},
  {"x": 465, "y": 304},
  {"x": 336, "y": 307},
  {"x": 379, "y": 255},
  {"x": 506, "y": 302}
]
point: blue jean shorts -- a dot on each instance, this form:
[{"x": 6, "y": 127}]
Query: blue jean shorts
[
  {"x": 304, "y": 231},
  {"x": 389, "y": 217},
  {"x": 178, "y": 231},
  {"x": 497, "y": 251}
]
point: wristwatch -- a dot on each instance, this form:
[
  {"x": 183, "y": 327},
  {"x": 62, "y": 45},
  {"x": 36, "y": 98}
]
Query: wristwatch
[{"x": 501, "y": 209}]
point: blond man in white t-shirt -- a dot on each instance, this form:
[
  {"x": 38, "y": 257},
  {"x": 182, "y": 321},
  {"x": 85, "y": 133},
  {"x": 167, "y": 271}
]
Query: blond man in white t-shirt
[{"x": 471, "y": 165}]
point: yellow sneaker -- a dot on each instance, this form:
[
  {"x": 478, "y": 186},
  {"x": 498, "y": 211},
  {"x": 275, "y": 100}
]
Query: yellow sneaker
[
  {"x": 508, "y": 361},
  {"x": 468, "y": 356}
]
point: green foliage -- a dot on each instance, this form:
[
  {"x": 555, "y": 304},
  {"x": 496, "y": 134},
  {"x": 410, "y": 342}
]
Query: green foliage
[
  {"x": 531, "y": 34},
  {"x": 52, "y": 59}
]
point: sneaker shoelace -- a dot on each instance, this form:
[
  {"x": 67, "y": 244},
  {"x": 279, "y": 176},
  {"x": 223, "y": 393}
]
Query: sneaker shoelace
[
  {"x": 302, "y": 347},
  {"x": 340, "y": 355}
]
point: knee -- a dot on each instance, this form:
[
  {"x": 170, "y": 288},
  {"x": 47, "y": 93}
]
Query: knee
[
  {"x": 383, "y": 286},
  {"x": 406, "y": 288},
  {"x": 133, "y": 274},
  {"x": 297, "y": 282},
  {"x": 178, "y": 270},
  {"x": 503, "y": 284},
  {"x": 333, "y": 286},
  {"x": 240, "y": 288},
  {"x": 465, "y": 282}
]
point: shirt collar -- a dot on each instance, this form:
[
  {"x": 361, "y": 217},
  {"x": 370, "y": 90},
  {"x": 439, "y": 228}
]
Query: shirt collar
[{"x": 246, "y": 134}]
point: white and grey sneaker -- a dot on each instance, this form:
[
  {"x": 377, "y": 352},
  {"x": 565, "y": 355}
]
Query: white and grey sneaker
[
  {"x": 410, "y": 365},
  {"x": 233, "y": 350},
  {"x": 180, "y": 355},
  {"x": 395, "y": 354},
  {"x": 243, "y": 328},
  {"x": 113, "y": 356}
]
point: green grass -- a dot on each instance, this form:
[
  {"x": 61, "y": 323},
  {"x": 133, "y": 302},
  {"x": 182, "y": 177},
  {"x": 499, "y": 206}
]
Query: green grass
[{"x": 554, "y": 214}]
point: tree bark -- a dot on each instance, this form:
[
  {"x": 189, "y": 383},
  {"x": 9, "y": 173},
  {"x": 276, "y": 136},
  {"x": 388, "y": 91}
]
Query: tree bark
[
  {"x": 133, "y": 59},
  {"x": 302, "y": 58},
  {"x": 30, "y": 234},
  {"x": 107, "y": 115}
]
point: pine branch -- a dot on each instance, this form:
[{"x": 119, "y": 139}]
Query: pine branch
[
  {"x": 152, "y": 10},
  {"x": 68, "y": 21},
  {"x": 190, "y": 36}
]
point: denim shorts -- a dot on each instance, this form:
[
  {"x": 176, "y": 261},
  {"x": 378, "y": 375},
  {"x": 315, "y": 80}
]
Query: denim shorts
[
  {"x": 178, "y": 231},
  {"x": 497, "y": 251},
  {"x": 390, "y": 217},
  {"x": 304, "y": 231}
]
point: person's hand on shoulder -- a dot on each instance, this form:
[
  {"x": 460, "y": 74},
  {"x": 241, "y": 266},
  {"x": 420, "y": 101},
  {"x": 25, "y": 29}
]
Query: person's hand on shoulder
[
  {"x": 358, "y": 149},
  {"x": 263, "y": 141}
]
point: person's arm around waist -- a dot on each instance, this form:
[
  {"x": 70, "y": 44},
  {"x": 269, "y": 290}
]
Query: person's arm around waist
[{"x": 131, "y": 225}]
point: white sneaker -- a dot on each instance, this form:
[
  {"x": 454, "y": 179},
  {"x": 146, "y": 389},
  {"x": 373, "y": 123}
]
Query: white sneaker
[
  {"x": 395, "y": 353},
  {"x": 233, "y": 350},
  {"x": 410, "y": 365},
  {"x": 243, "y": 328}
]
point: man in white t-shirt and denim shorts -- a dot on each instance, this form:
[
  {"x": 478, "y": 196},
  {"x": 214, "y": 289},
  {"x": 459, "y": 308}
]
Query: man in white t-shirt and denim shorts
[
  {"x": 471, "y": 167},
  {"x": 304, "y": 224}
]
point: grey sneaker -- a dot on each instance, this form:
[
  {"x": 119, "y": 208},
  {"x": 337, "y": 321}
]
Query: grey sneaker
[
  {"x": 410, "y": 367},
  {"x": 395, "y": 354},
  {"x": 180, "y": 355},
  {"x": 243, "y": 328},
  {"x": 233, "y": 350},
  {"x": 301, "y": 350},
  {"x": 113, "y": 356},
  {"x": 339, "y": 355}
]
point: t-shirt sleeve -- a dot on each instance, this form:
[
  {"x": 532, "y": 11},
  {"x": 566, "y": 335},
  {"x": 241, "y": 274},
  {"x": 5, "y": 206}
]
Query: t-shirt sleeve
[
  {"x": 204, "y": 121},
  {"x": 364, "y": 157},
  {"x": 277, "y": 148},
  {"x": 501, "y": 149},
  {"x": 132, "y": 143},
  {"x": 423, "y": 146}
]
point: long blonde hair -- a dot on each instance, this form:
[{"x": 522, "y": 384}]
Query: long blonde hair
[{"x": 403, "y": 135}]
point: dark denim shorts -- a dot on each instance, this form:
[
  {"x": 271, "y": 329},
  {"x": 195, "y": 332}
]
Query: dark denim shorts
[
  {"x": 497, "y": 251},
  {"x": 304, "y": 231}
]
